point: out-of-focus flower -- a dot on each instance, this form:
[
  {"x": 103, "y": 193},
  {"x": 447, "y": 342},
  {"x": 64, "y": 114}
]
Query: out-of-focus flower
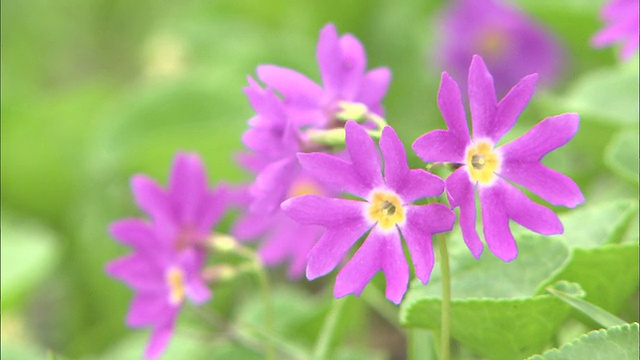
[
  {"x": 343, "y": 63},
  {"x": 621, "y": 17},
  {"x": 385, "y": 210},
  {"x": 188, "y": 205},
  {"x": 161, "y": 276},
  {"x": 282, "y": 239},
  {"x": 512, "y": 44},
  {"x": 490, "y": 169}
]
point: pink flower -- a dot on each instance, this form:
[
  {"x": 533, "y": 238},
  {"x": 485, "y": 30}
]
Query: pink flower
[
  {"x": 162, "y": 278},
  {"x": 621, "y": 17},
  {"x": 383, "y": 212},
  {"x": 489, "y": 170}
]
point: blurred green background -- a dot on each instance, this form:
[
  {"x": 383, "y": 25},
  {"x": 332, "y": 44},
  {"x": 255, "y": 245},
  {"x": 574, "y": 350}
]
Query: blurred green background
[{"x": 95, "y": 91}]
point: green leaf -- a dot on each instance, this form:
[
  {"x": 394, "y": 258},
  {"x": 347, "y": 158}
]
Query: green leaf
[
  {"x": 621, "y": 155},
  {"x": 608, "y": 95},
  {"x": 593, "y": 226},
  {"x": 608, "y": 274},
  {"x": 28, "y": 255},
  {"x": 617, "y": 342},
  {"x": 539, "y": 257},
  {"x": 496, "y": 328},
  {"x": 598, "y": 314},
  {"x": 494, "y": 311}
]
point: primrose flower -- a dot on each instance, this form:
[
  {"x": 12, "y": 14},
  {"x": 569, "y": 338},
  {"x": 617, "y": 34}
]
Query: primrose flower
[
  {"x": 490, "y": 169},
  {"x": 342, "y": 62},
  {"x": 384, "y": 211},
  {"x": 621, "y": 17},
  {"x": 283, "y": 240},
  {"x": 512, "y": 44},
  {"x": 162, "y": 278},
  {"x": 187, "y": 205}
]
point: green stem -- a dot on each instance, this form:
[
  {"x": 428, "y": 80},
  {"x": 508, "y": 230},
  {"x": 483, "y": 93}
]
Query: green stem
[
  {"x": 323, "y": 342},
  {"x": 268, "y": 308},
  {"x": 445, "y": 318}
]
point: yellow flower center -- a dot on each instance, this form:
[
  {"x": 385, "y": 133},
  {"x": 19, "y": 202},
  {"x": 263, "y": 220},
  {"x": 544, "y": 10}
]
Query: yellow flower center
[
  {"x": 304, "y": 187},
  {"x": 175, "y": 280},
  {"x": 386, "y": 209},
  {"x": 493, "y": 43},
  {"x": 482, "y": 162}
]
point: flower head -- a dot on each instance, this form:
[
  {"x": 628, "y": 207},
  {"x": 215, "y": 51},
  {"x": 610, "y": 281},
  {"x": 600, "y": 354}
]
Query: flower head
[
  {"x": 162, "y": 277},
  {"x": 490, "y": 169},
  {"x": 383, "y": 212},
  {"x": 512, "y": 44},
  {"x": 343, "y": 63},
  {"x": 621, "y": 17},
  {"x": 188, "y": 205}
]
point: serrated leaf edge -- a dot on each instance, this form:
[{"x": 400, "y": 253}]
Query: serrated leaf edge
[{"x": 583, "y": 337}]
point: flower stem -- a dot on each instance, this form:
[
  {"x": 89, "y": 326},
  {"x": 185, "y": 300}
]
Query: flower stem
[
  {"x": 321, "y": 349},
  {"x": 268, "y": 308},
  {"x": 445, "y": 319}
]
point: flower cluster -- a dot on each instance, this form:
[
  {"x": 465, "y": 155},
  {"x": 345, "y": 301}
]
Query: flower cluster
[
  {"x": 305, "y": 117},
  {"x": 323, "y": 186}
]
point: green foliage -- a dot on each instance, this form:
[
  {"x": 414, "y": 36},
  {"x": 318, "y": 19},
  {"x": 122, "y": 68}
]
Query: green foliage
[
  {"x": 599, "y": 315},
  {"x": 124, "y": 85},
  {"x": 616, "y": 342},
  {"x": 28, "y": 255},
  {"x": 494, "y": 310},
  {"x": 622, "y": 154},
  {"x": 609, "y": 95}
]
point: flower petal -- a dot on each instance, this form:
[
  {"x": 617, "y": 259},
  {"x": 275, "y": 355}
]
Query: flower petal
[
  {"x": 150, "y": 309},
  {"x": 136, "y": 272},
  {"x": 460, "y": 192},
  {"x": 440, "y": 146},
  {"x": 552, "y": 186},
  {"x": 134, "y": 232},
  {"x": 353, "y": 63},
  {"x": 547, "y": 135},
  {"x": 187, "y": 186},
  {"x": 510, "y": 107},
  {"x": 422, "y": 223},
  {"x": 420, "y": 184},
  {"x": 380, "y": 251},
  {"x": 329, "y": 54},
  {"x": 151, "y": 198},
  {"x": 364, "y": 155},
  {"x": 495, "y": 222},
  {"x": 482, "y": 98},
  {"x": 330, "y": 169},
  {"x": 528, "y": 213},
  {"x": 295, "y": 87},
  {"x": 374, "y": 87},
  {"x": 212, "y": 209},
  {"x": 272, "y": 184},
  {"x": 159, "y": 340},
  {"x": 450, "y": 104},
  {"x": 332, "y": 247},
  {"x": 396, "y": 169},
  {"x": 324, "y": 211}
]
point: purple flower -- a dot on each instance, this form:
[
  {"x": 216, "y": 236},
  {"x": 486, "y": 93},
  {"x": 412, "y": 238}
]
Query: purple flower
[
  {"x": 187, "y": 205},
  {"x": 512, "y": 44},
  {"x": 342, "y": 62},
  {"x": 283, "y": 240},
  {"x": 621, "y": 17},
  {"x": 490, "y": 169},
  {"x": 161, "y": 276},
  {"x": 385, "y": 211}
]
